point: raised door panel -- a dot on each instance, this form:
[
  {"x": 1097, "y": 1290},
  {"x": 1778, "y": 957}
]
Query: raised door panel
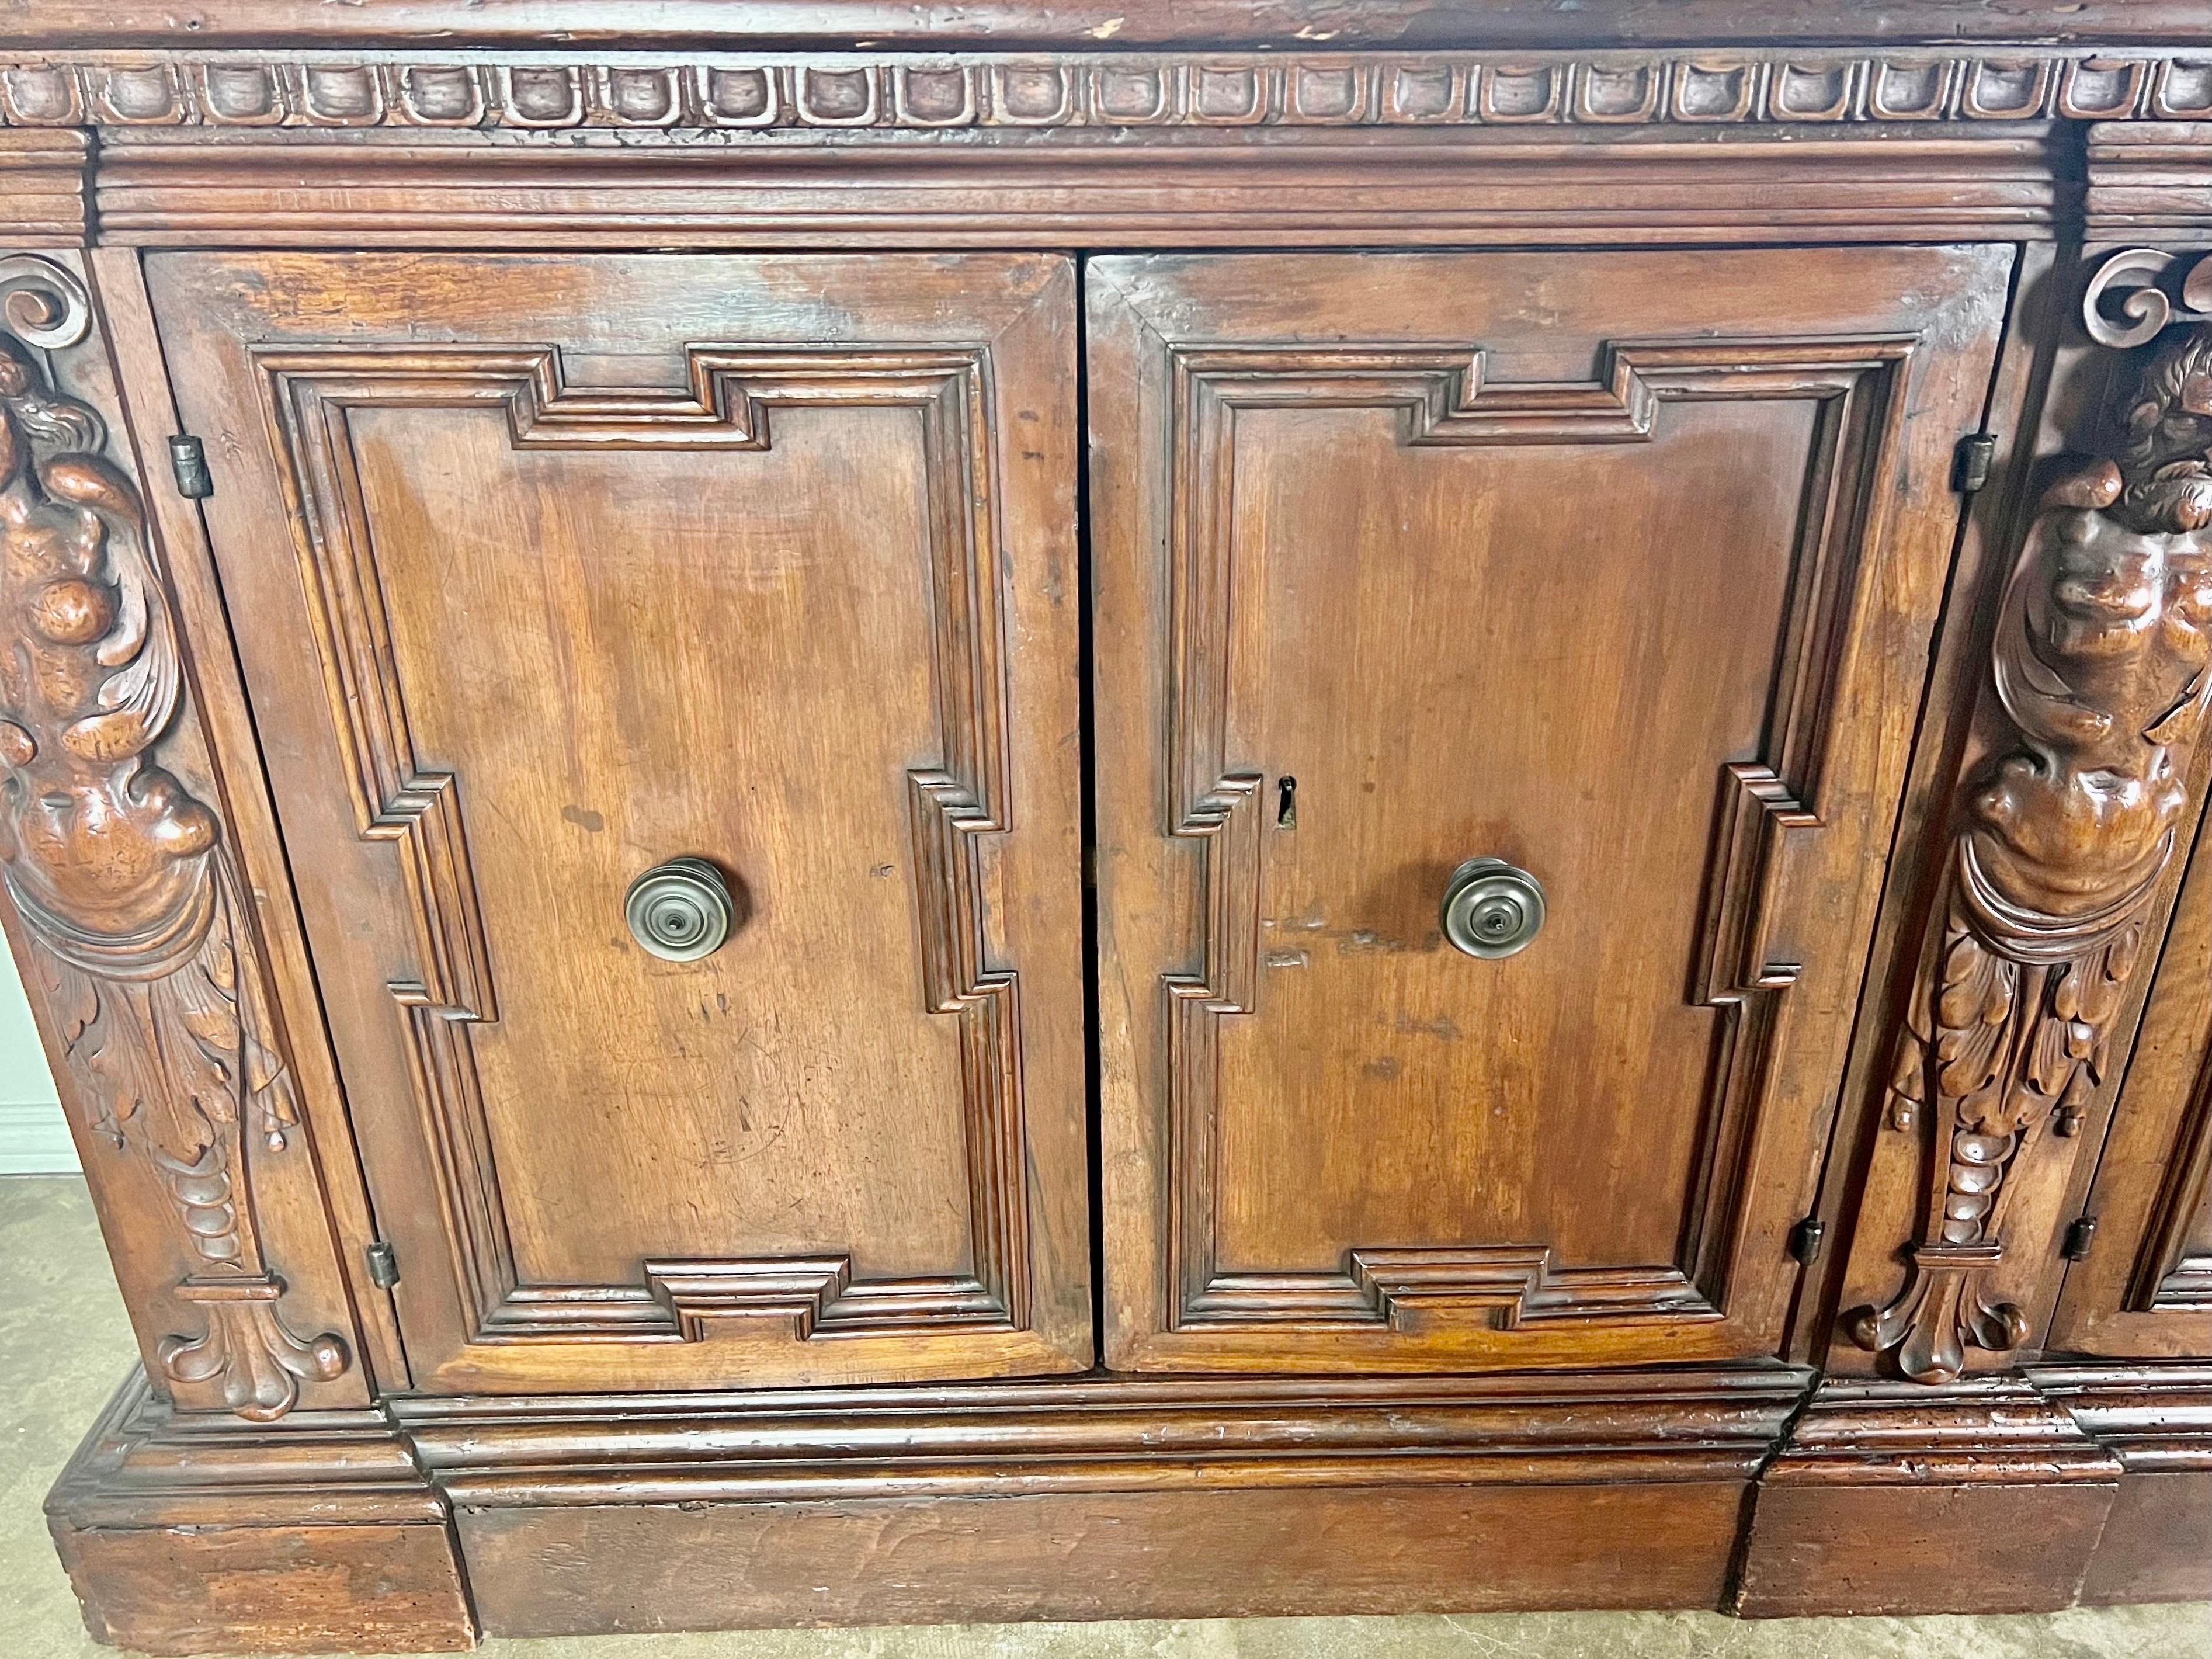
[
  {"x": 2145, "y": 1288},
  {"x": 1620, "y": 568},
  {"x": 552, "y": 570}
]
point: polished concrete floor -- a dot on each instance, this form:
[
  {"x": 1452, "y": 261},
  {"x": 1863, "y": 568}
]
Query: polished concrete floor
[{"x": 63, "y": 1344}]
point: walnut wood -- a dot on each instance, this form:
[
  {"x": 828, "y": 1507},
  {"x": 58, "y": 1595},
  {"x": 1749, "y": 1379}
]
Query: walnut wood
[
  {"x": 1890, "y": 1497},
  {"x": 1385, "y": 185},
  {"x": 128, "y": 917},
  {"x": 184, "y": 1534},
  {"x": 2047, "y": 296},
  {"x": 2146, "y": 181},
  {"x": 2152, "y": 1547},
  {"x": 1413, "y": 23},
  {"x": 44, "y": 182},
  {"x": 1215, "y": 90},
  {"x": 1178, "y": 1496},
  {"x": 322, "y": 1200},
  {"x": 1104, "y": 1434},
  {"x": 936, "y": 1131},
  {"x": 2083, "y": 782},
  {"x": 643, "y": 427},
  {"x": 2157, "y": 1421},
  {"x": 1250, "y": 1552},
  {"x": 1960, "y": 1547},
  {"x": 1284, "y": 1031},
  {"x": 2147, "y": 1289}
]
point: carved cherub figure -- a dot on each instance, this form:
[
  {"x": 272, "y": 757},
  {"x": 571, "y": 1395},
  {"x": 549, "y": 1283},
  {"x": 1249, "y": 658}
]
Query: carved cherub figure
[
  {"x": 117, "y": 869},
  {"x": 102, "y": 847},
  {"x": 2103, "y": 669},
  {"x": 2103, "y": 659},
  {"x": 135, "y": 909},
  {"x": 2167, "y": 458}
]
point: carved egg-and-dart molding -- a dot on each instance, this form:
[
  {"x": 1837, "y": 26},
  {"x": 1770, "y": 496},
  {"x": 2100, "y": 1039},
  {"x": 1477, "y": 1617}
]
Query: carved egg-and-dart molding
[
  {"x": 128, "y": 894},
  {"x": 2103, "y": 669}
]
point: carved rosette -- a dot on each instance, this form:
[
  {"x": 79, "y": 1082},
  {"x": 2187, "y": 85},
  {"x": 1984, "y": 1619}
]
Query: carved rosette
[
  {"x": 2102, "y": 668},
  {"x": 128, "y": 893}
]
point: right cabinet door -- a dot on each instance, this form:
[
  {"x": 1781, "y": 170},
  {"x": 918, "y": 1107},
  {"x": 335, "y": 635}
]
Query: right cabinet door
[{"x": 1616, "y": 569}]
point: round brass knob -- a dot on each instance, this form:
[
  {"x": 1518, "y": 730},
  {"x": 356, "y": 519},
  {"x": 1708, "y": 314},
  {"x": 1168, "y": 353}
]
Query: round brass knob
[
  {"x": 680, "y": 910},
  {"x": 1491, "y": 908}
]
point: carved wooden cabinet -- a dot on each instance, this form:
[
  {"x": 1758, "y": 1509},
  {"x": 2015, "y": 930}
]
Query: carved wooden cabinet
[{"x": 1215, "y": 808}]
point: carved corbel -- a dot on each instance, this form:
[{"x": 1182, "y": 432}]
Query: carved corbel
[
  {"x": 139, "y": 938},
  {"x": 2064, "y": 835}
]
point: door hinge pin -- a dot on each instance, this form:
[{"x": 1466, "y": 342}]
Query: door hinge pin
[
  {"x": 1976, "y": 455},
  {"x": 383, "y": 1266},
  {"x": 2079, "y": 1237},
  {"x": 1806, "y": 1238},
  {"x": 188, "y": 460}
]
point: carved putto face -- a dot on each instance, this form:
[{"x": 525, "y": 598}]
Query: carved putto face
[
  {"x": 2103, "y": 661},
  {"x": 2168, "y": 459},
  {"x": 2102, "y": 666},
  {"x": 100, "y": 845}
]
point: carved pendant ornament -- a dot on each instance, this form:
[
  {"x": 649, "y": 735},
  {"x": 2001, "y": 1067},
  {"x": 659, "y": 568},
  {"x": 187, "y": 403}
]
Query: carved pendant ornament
[
  {"x": 2103, "y": 669},
  {"x": 126, "y": 888}
]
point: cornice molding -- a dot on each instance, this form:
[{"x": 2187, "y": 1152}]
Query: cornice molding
[
  {"x": 1290, "y": 25},
  {"x": 2149, "y": 181},
  {"x": 552, "y": 91},
  {"x": 43, "y": 181}
]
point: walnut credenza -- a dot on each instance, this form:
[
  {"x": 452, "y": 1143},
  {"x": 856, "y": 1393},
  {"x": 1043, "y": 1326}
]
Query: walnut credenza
[{"x": 826, "y": 815}]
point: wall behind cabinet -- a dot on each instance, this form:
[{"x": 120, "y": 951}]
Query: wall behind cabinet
[{"x": 34, "y": 1137}]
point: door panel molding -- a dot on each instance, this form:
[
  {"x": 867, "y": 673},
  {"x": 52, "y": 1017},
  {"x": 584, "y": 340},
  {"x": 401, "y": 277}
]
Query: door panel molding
[
  {"x": 2170, "y": 1276},
  {"x": 312, "y": 394},
  {"x": 1765, "y": 808}
]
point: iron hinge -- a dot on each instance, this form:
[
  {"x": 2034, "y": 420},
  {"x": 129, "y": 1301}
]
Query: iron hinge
[
  {"x": 1806, "y": 1239},
  {"x": 383, "y": 1266},
  {"x": 2079, "y": 1237},
  {"x": 188, "y": 460},
  {"x": 1970, "y": 468}
]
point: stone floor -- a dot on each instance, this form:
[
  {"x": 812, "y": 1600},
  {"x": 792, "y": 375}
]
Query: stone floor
[{"x": 63, "y": 1344}]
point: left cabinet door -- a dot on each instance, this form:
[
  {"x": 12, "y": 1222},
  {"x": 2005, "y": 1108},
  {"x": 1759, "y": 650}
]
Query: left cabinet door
[{"x": 549, "y": 571}]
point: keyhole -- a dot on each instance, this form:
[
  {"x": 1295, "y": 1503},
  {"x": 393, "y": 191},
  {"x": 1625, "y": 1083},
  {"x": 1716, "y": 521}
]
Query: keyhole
[{"x": 1286, "y": 803}]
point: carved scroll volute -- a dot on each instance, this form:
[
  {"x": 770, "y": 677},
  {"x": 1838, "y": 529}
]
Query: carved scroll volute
[
  {"x": 2101, "y": 671},
  {"x": 139, "y": 942}
]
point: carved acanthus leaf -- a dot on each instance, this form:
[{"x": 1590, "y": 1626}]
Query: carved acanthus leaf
[
  {"x": 2102, "y": 669},
  {"x": 141, "y": 939}
]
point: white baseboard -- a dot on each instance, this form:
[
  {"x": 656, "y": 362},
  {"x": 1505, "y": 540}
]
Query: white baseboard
[{"x": 34, "y": 1140}]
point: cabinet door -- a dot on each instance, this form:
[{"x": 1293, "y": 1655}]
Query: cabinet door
[
  {"x": 548, "y": 571},
  {"x": 2145, "y": 1289},
  {"x": 1619, "y": 569}
]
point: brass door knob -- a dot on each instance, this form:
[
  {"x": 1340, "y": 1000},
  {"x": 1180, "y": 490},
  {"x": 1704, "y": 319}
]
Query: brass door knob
[
  {"x": 680, "y": 910},
  {"x": 1491, "y": 908}
]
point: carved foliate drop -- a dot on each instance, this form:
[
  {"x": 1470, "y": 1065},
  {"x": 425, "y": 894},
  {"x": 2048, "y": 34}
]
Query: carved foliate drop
[
  {"x": 2103, "y": 669},
  {"x": 140, "y": 937}
]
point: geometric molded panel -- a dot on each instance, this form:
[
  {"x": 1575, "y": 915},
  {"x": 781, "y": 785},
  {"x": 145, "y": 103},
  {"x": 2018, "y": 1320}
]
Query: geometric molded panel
[
  {"x": 964, "y": 795},
  {"x": 1766, "y": 810}
]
